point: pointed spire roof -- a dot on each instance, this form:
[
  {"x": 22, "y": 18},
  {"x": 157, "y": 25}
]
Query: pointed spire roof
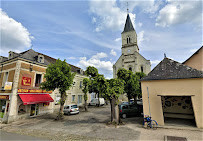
[{"x": 128, "y": 25}]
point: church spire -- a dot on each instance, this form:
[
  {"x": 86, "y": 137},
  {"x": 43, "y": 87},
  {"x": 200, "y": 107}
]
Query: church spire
[{"x": 128, "y": 25}]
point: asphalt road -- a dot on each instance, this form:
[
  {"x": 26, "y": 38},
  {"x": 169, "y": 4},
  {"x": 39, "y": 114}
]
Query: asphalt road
[{"x": 5, "y": 136}]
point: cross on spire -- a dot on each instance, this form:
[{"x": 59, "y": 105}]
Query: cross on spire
[{"x": 127, "y": 8}]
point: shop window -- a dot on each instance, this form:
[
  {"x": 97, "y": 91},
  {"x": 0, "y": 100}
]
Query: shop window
[
  {"x": 79, "y": 99},
  {"x": 21, "y": 109},
  {"x": 38, "y": 80},
  {"x": 73, "y": 98},
  {"x": 5, "y": 79}
]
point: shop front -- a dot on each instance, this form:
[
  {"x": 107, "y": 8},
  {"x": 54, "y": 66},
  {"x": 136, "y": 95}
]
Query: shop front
[
  {"x": 34, "y": 102},
  {"x": 3, "y": 105}
]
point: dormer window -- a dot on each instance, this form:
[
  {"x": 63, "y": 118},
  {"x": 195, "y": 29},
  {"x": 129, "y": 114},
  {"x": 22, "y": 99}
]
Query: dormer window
[
  {"x": 10, "y": 55},
  {"x": 40, "y": 59}
]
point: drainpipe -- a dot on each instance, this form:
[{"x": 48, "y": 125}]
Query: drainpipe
[{"x": 148, "y": 101}]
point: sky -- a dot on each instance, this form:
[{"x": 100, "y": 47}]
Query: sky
[{"x": 88, "y": 33}]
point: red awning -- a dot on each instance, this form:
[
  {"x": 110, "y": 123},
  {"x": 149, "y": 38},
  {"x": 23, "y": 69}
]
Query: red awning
[{"x": 35, "y": 98}]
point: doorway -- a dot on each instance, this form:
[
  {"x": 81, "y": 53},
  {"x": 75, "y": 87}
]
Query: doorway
[
  {"x": 34, "y": 109},
  {"x": 178, "y": 111}
]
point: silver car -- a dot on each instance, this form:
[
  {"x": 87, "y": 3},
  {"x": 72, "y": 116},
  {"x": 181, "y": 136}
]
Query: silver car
[{"x": 71, "y": 109}]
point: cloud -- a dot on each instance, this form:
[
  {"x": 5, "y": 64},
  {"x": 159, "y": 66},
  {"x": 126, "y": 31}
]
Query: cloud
[
  {"x": 140, "y": 37},
  {"x": 155, "y": 62},
  {"x": 179, "y": 12},
  {"x": 113, "y": 52},
  {"x": 104, "y": 67},
  {"x": 140, "y": 24},
  {"x": 108, "y": 16},
  {"x": 100, "y": 55},
  {"x": 14, "y": 36},
  {"x": 149, "y": 6},
  {"x": 71, "y": 58},
  {"x": 117, "y": 39},
  {"x": 193, "y": 50}
]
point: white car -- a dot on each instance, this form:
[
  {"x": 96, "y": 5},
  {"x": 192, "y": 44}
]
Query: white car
[
  {"x": 71, "y": 109},
  {"x": 95, "y": 101}
]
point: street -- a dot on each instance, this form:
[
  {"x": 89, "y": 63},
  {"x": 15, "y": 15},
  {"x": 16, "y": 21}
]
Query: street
[
  {"x": 17, "y": 137},
  {"x": 92, "y": 125}
]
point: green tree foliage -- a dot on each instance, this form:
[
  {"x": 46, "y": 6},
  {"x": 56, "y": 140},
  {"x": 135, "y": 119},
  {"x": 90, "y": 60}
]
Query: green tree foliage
[
  {"x": 132, "y": 85},
  {"x": 85, "y": 90},
  {"x": 91, "y": 71},
  {"x": 96, "y": 81},
  {"x": 59, "y": 76}
]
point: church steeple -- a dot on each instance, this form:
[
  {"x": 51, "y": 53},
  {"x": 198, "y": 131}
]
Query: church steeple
[{"x": 128, "y": 25}]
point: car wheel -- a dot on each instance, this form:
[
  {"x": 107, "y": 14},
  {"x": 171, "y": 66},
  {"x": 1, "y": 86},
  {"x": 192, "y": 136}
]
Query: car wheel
[{"x": 124, "y": 116}]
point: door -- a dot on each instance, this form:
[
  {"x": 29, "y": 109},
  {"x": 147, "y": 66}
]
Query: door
[{"x": 34, "y": 109}]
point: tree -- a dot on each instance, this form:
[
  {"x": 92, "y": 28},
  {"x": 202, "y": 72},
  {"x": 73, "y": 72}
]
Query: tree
[
  {"x": 114, "y": 90},
  {"x": 85, "y": 90},
  {"x": 96, "y": 81},
  {"x": 59, "y": 76},
  {"x": 131, "y": 85},
  {"x": 140, "y": 75}
]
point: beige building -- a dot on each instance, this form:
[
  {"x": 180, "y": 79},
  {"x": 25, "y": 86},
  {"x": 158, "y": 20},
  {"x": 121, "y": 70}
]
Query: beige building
[
  {"x": 20, "y": 94},
  {"x": 130, "y": 58},
  {"x": 175, "y": 91},
  {"x": 196, "y": 60}
]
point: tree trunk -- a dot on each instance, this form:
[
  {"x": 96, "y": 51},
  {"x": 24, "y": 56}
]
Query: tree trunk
[
  {"x": 86, "y": 106},
  {"x": 98, "y": 101},
  {"x": 116, "y": 114},
  {"x": 63, "y": 99},
  {"x": 111, "y": 110},
  {"x": 129, "y": 99},
  {"x": 135, "y": 99}
]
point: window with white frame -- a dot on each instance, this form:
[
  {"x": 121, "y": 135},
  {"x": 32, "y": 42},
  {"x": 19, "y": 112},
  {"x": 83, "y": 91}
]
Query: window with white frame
[
  {"x": 79, "y": 99},
  {"x": 5, "y": 79},
  {"x": 73, "y": 98},
  {"x": 38, "y": 80}
]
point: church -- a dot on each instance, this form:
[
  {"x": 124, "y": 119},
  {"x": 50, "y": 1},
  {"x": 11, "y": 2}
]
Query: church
[{"x": 130, "y": 58}]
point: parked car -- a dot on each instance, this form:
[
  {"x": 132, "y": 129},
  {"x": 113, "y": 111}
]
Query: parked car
[
  {"x": 130, "y": 110},
  {"x": 71, "y": 109},
  {"x": 95, "y": 101}
]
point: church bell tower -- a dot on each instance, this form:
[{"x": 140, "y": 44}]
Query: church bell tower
[{"x": 129, "y": 38}]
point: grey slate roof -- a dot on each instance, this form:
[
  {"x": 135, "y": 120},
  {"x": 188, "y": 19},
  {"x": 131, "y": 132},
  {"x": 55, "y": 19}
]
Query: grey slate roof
[
  {"x": 170, "y": 69},
  {"x": 32, "y": 56},
  {"x": 128, "y": 25}
]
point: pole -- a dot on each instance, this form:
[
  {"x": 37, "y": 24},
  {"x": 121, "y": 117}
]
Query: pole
[{"x": 149, "y": 102}]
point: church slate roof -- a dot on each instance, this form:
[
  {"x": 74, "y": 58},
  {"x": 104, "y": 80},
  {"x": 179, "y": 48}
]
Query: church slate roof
[
  {"x": 128, "y": 25},
  {"x": 170, "y": 69}
]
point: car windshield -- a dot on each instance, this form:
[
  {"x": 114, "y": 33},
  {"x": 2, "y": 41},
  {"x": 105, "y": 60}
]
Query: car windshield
[{"x": 74, "y": 106}]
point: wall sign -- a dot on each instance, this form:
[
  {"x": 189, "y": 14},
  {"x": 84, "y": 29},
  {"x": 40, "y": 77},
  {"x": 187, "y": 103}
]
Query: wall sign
[
  {"x": 4, "y": 96},
  {"x": 33, "y": 91},
  {"x": 26, "y": 81},
  {"x": 8, "y": 86}
]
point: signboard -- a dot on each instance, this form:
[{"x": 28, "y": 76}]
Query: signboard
[
  {"x": 26, "y": 81},
  {"x": 33, "y": 91},
  {"x": 8, "y": 86},
  {"x": 4, "y": 96}
]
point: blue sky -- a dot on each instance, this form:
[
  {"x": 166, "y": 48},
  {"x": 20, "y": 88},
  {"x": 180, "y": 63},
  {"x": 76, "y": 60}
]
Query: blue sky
[{"x": 88, "y": 32}]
